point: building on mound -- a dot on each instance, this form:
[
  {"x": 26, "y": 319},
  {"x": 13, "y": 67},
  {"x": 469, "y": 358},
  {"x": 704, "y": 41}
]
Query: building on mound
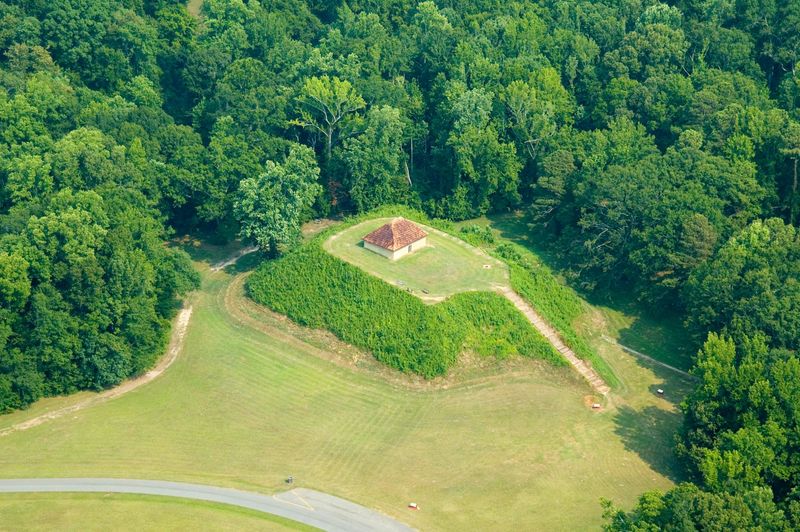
[{"x": 396, "y": 239}]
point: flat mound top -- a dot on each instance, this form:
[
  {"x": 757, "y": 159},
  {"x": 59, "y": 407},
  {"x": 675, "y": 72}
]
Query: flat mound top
[
  {"x": 396, "y": 234},
  {"x": 447, "y": 265}
]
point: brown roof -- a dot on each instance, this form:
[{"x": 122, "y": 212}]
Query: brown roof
[{"x": 395, "y": 235}]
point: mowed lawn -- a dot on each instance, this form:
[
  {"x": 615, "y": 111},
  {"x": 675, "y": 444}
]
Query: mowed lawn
[
  {"x": 253, "y": 398},
  {"x": 105, "y": 511},
  {"x": 447, "y": 265}
]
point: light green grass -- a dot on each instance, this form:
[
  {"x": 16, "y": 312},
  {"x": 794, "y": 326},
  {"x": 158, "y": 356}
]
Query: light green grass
[
  {"x": 445, "y": 267},
  {"x": 253, "y": 398},
  {"x": 105, "y": 511}
]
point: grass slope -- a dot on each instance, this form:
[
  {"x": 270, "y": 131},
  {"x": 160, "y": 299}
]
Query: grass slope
[
  {"x": 446, "y": 266},
  {"x": 657, "y": 334},
  {"x": 316, "y": 289},
  {"x": 499, "y": 445},
  {"x": 89, "y": 511}
]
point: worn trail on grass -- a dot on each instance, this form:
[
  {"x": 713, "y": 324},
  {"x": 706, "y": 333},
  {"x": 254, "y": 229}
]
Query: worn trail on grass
[
  {"x": 302, "y": 505},
  {"x": 175, "y": 346},
  {"x": 229, "y": 262},
  {"x": 552, "y": 336},
  {"x": 648, "y": 358}
]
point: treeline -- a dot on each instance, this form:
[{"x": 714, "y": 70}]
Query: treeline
[
  {"x": 87, "y": 179},
  {"x": 318, "y": 290},
  {"x": 655, "y": 143},
  {"x": 740, "y": 438},
  {"x": 641, "y": 135}
]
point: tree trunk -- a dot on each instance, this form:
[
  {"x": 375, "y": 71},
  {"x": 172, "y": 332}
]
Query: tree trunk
[{"x": 328, "y": 145}]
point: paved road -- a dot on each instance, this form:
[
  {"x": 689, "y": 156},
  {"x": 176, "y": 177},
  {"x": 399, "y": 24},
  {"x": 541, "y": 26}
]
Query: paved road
[{"x": 306, "y": 506}]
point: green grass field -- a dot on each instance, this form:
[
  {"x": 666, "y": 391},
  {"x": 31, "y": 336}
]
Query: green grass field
[
  {"x": 495, "y": 445},
  {"x": 446, "y": 266},
  {"x": 105, "y": 511}
]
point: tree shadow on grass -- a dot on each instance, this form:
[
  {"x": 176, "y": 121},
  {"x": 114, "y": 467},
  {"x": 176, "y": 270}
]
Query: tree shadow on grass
[
  {"x": 649, "y": 432},
  {"x": 199, "y": 250},
  {"x": 246, "y": 263},
  {"x": 211, "y": 255}
]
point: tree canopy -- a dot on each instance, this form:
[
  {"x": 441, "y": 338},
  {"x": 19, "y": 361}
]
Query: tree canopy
[{"x": 655, "y": 145}]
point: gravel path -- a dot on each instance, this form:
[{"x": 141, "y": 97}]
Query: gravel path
[
  {"x": 552, "y": 336},
  {"x": 303, "y": 505}
]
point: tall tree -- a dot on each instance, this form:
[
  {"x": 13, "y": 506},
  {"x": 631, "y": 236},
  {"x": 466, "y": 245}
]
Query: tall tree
[
  {"x": 272, "y": 206},
  {"x": 329, "y": 106},
  {"x": 375, "y": 161}
]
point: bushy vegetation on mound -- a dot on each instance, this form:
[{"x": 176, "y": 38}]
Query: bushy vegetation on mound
[
  {"x": 556, "y": 302},
  {"x": 316, "y": 289}
]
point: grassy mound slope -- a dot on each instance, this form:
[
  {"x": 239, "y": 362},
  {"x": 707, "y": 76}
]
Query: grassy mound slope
[
  {"x": 316, "y": 289},
  {"x": 558, "y": 303},
  {"x": 252, "y": 398}
]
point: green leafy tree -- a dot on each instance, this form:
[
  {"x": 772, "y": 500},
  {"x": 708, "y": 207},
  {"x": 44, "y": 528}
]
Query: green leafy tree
[
  {"x": 375, "y": 161},
  {"x": 329, "y": 107},
  {"x": 792, "y": 152},
  {"x": 688, "y": 507},
  {"x": 272, "y": 206},
  {"x": 536, "y": 112},
  {"x": 752, "y": 285},
  {"x": 740, "y": 430},
  {"x": 487, "y": 167}
]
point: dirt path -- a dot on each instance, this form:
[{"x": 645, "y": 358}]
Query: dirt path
[
  {"x": 175, "y": 345},
  {"x": 648, "y": 358},
  {"x": 228, "y": 262},
  {"x": 552, "y": 336}
]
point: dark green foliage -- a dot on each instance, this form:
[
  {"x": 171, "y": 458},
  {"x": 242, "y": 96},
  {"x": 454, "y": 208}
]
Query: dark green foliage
[
  {"x": 751, "y": 286},
  {"x": 94, "y": 289},
  {"x": 648, "y": 139},
  {"x": 688, "y": 508},
  {"x": 741, "y": 426},
  {"x": 318, "y": 290},
  {"x": 741, "y": 441},
  {"x": 87, "y": 286}
]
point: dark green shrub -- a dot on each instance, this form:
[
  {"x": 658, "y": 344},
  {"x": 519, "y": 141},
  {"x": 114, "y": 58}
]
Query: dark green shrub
[{"x": 477, "y": 235}]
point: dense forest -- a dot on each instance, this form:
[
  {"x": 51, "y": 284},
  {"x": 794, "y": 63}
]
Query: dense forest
[{"x": 656, "y": 146}]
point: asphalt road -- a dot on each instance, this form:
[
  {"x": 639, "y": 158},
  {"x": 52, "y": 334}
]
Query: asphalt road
[{"x": 306, "y": 506}]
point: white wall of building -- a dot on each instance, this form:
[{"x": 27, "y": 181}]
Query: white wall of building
[
  {"x": 379, "y": 250},
  {"x": 394, "y": 255}
]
